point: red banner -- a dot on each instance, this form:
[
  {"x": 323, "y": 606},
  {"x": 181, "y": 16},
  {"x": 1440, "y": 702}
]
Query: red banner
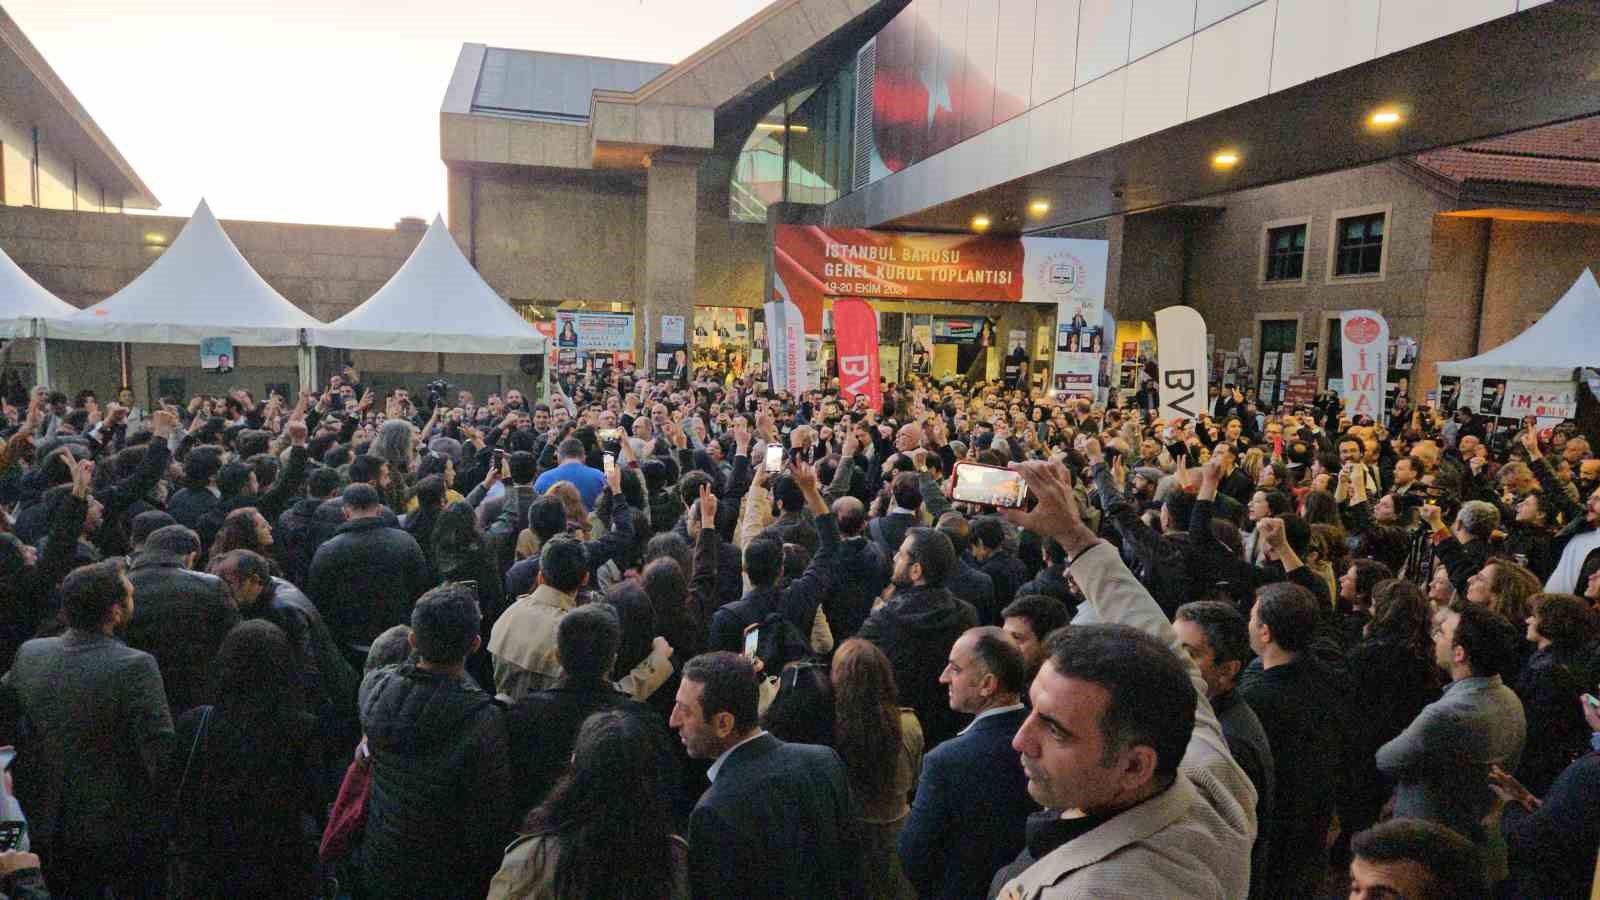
[{"x": 855, "y": 328}]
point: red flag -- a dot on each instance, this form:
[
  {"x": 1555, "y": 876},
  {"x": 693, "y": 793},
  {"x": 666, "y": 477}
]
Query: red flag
[{"x": 855, "y": 330}]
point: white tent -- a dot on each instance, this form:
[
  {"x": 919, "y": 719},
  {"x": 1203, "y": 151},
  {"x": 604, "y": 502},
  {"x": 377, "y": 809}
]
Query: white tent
[
  {"x": 22, "y": 300},
  {"x": 1554, "y": 349},
  {"x": 200, "y": 287},
  {"x": 435, "y": 303}
]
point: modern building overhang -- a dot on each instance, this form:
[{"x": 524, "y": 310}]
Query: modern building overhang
[
  {"x": 679, "y": 108},
  {"x": 30, "y": 91},
  {"x": 1520, "y": 70}
]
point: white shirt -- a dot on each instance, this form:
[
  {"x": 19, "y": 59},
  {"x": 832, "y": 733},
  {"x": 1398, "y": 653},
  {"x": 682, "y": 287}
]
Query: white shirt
[
  {"x": 1564, "y": 579},
  {"x": 987, "y": 713},
  {"x": 711, "y": 773}
]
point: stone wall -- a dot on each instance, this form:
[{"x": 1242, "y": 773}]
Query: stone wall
[{"x": 1530, "y": 266}]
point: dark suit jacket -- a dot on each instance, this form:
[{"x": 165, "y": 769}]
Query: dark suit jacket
[
  {"x": 777, "y": 822},
  {"x": 179, "y": 617},
  {"x": 95, "y": 731},
  {"x": 970, "y": 817}
]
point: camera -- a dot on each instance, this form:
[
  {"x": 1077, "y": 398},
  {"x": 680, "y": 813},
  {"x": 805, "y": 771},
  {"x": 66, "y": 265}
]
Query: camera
[{"x": 438, "y": 389}]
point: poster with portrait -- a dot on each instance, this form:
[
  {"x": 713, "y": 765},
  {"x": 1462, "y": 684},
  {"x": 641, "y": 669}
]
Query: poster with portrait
[
  {"x": 1308, "y": 356},
  {"x": 1269, "y": 365},
  {"x": 216, "y": 355}
]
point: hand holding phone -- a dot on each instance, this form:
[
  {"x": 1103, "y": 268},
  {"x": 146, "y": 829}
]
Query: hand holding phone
[
  {"x": 988, "y": 486},
  {"x": 752, "y": 640},
  {"x": 774, "y": 461}
]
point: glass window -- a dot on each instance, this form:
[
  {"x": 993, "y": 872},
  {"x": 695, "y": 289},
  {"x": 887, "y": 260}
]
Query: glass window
[
  {"x": 1360, "y": 245},
  {"x": 758, "y": 172},
  {"x": 799, "y": 152},
  {"x": 1286, "y": 253}
]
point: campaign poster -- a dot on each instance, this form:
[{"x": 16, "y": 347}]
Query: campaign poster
[
  {"x": 216, "y": 355},
  {"x": 588, "y": 332}
]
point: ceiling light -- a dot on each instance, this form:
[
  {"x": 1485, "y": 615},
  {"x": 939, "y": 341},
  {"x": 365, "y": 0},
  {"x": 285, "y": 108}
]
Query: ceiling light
[
  {"x": 1388, "y": 117},
  {"x": 1039, "y": 207},
  {"x": 155, "y": 238},
  {"x": 1225, "y": 159},
  {"x": 980, "y": 223}
]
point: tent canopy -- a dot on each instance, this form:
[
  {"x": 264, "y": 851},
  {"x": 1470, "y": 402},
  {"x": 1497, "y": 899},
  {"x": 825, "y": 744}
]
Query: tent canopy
[
  {"x": 435, "y": 303},
  {"x": 1553, "y": 349},
  {"x": 200, "y": 287},
  {"x": 22, "y": 300}
]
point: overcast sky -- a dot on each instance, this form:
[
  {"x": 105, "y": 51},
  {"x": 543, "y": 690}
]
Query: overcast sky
[{"x": 316, "y": 110}]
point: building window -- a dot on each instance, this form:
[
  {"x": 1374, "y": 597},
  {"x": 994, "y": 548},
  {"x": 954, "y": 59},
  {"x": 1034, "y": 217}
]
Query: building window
[
  {"x": 1286, "y": 253},
  {"x": 1360, "y": 245},
  {"x": 800, "y": 151}
]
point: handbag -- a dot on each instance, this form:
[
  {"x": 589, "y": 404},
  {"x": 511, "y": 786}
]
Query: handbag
[{"x": 347, "y": 818}]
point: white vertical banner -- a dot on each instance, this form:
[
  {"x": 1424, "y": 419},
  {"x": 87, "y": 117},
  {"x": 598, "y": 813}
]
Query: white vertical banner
[
  {"x": 786, "y": 340},
  {"x": 1181, "y": 356},
  {"x": 1365, "y": 341}
]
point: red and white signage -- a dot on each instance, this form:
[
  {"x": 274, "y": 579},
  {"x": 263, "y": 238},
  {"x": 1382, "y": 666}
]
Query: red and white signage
[
  {"x": 855, "y": 327},
  {"x": 1365, "y": 337}
]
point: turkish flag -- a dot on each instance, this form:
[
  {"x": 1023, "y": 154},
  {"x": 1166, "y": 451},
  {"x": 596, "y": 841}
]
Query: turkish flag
[{"x": 855, "y": 329}]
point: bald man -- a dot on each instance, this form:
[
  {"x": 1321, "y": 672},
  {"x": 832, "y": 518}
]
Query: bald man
[{"x": 863, "y": 571}]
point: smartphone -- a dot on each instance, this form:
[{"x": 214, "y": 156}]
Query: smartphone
[
  {"x": 610, "y": 462},
  {"x": 752, "y": 639},
  {"x": 989, "y": 486},
  {"x": 11, "y": 831},
  {"x": 774, "y": 457},
  {"x": 499, "y": 454}
]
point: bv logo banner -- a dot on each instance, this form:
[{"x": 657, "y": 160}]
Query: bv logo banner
[
  {"x": 855, "y": 328},
  {"x": 1181, "y": 355}
]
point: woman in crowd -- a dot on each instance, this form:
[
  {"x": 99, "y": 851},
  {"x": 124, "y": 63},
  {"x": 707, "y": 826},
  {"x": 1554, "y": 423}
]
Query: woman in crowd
[
  {"x": 1560, "y": 670},
  {"x": 1393, "y": 673},
  {"x": 606, "y": 828},
  {"x": 242, "y": 775},
  {"x": 1355, "y": 596},
  {"x": 881, "y": 745},
  {"x": 245, "y": 529}
]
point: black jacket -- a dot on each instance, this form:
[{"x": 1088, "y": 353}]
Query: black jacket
[
  {"x": 543, "y": 726},
  {"x": 364, "y": 580},
  {"x": 190, "y": 505},
  {"x": 439, "y": 813},
  {"x": 916, "y": 629},
  {"x": 1557, "y": 732},
  {"x": 969, "y": 583},
  {"x": 1007, "y": 573},
  {"x": 797, "y": 600},
  {"x": 862, "y": 577},
  {"x": 291, "y": 538},
  {"x": 179, "y": 617},
  {"x": 1049, "y": 583},
  {"x": 1301, "y": 706},
  {"x": 777, "y": 823}
]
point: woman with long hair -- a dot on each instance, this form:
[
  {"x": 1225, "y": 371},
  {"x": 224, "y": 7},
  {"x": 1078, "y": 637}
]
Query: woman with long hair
[
  {"x": 1354, "y": 597},
  {"x": 881, "y": 745},
  {"x": 242, "y": 776},
  {"x": 245, "y": 529},
  {"x": 606, "y": 828},
  {"x": 1562, "y": 627},
  {"x": 1394, "y": 676},
  {"x": 459, "y": 554},
  {"x": 395, "y": 444}
]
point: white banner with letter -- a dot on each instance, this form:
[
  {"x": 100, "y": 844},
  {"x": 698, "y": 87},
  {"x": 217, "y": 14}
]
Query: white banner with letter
[
  {"x": 1181, "y": 355},
  {"x": 786, "y": 340},
  {"x": 1365, "y": 337}
]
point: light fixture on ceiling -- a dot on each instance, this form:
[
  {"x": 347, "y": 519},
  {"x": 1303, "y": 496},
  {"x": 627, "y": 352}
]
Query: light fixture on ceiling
[
  {"x": 778, "y": 126},
  {"x": 154, "y": 238},
  {"x": 980, "y": 223},
  {"x": 1225, "y": 159},
  {"x": 1385, "y": 117},
  {"x": 1039, "y": 207}
]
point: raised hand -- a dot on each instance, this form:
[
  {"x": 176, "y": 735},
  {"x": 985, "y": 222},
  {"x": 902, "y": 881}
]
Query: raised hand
[
  {"x": 708, "y": 507},
  {"x": 1530, "y": 442},
  {"x": 1056, "y": 513}
]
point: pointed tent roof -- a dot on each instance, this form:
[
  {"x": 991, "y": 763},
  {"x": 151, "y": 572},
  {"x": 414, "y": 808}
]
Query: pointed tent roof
[
  {"x": 435, "y": 303},
  {"x": 22, "y": 300},
  {"x": 1561, "y": 342},
  {"x": 200, "y": 287}
]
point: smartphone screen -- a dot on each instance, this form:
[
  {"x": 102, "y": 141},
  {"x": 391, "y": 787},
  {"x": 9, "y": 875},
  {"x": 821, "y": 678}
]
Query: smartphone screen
[
  {"x": 11, "y": 834},
  {"x": 989, "y": 486},
  {"x": 774, "y": 457},
  {"x": 752, "y": 639},
  {"x": 610, "y": 462}
]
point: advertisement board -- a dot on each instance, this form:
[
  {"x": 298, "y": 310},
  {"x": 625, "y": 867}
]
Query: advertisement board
[{"x": 588, "y": 332}]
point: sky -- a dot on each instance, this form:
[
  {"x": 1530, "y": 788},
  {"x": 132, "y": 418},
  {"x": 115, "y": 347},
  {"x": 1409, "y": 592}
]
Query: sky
[{"x": 316, "y": 111}]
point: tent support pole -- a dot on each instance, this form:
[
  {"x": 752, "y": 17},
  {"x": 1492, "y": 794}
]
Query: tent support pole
[
  {"x": 308, "y": 367},
  {"x": 41, "y": 356}
]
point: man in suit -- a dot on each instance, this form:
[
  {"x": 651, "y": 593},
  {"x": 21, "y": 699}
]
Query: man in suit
[
  {"x": 182, "y": 615},
  {"x": 99, "y": 733},
  {"x": 973, "y": 777},
  {"x": 777, "y": 819},
  {"x": 1121, "y": 733}
]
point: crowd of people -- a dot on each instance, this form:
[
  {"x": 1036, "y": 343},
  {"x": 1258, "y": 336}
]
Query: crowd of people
[{"x": 694, "y": 638}]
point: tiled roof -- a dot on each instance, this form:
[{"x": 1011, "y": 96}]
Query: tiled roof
[{"x": 1565, "y": 155}]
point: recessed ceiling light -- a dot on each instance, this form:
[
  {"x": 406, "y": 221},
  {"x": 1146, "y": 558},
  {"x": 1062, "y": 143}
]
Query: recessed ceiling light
[
  {"x": 1387, "y": 117},
  {"x": 1039, "y": 207},
  {"x": 980, "y": 223},
  {"x": 1225, "y": 159}
]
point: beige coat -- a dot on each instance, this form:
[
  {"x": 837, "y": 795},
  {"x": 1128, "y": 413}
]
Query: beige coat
[
  {"x": 529, "y": 869},
  {"x": 523, "y": 646}
]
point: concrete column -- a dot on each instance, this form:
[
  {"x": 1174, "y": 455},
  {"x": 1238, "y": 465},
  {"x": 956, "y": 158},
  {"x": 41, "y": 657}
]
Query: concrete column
[{"x": 669, "y": 247}]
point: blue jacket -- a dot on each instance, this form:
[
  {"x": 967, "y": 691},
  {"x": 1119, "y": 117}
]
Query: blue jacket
[
  {"x": 589, "y": 481},
  {"x": 970, "y": 817}
]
